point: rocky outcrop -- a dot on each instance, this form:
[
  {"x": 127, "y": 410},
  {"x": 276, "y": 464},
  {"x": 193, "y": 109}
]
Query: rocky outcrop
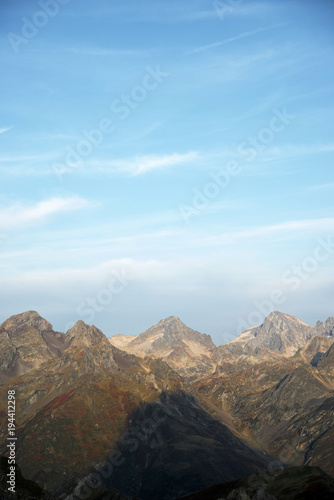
[
  {"x": 314, "y": 350},
  {"x": 295, "y": 483},
  {"x": 280, "y": 333},
  {"x": 326, "y": 364},
  {"x": 24, "y": 489},
  {"x": 27, "y": 341},
  {"x": 187, "y": 351},
  {"x": 82, "y": 335},
  {"x": 326, "y": 328}
]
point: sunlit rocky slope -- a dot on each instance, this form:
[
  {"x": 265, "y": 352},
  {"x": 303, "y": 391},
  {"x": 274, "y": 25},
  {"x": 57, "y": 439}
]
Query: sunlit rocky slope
[{"x": 179, "y": 411}]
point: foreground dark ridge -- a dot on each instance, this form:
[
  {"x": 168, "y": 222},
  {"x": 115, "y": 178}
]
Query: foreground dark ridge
[{"x": 295, "y": 483}]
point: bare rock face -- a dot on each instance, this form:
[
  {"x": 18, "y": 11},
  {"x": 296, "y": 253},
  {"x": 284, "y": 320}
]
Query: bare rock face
[
  {"x": 187, "y": 351},
  {"x": 81, "y": 335},
  {"x": 91, "y": 344},
  {"x": 314, "y": 349},
  {"x": 193, "y": 355},
  {"x": 27, "y": 341},
  {"x": 166, "y": 335},
  {"x": 19, "y": 322},
  {"x": 121, "y": 341},
  {"x": 280, "y": 335},
  {"x": 326, "y": 364},
  {"x": 326, "y": 328}
]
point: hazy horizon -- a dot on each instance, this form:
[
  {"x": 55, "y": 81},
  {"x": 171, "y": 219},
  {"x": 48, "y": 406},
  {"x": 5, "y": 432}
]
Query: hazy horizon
[{"x": 166, "y": 158}]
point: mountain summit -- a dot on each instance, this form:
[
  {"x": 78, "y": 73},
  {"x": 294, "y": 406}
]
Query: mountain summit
[
  {"x": 280, "y": 334},
  {"x": 23, "y": 320},
  {"x": 185, "y": 350},
  {"x": 27, "y": 341},
  {"x": 167, "y": 334},
  {"x": 283, "y": 333},
  {"x": 81, "y": 335}
]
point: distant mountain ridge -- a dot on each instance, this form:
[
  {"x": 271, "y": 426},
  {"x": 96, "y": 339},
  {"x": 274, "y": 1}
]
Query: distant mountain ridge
[
  {"x": 194, "y": 355},
  {"x": 29, "y": 341},
  {"x": 266, "y": 397}
]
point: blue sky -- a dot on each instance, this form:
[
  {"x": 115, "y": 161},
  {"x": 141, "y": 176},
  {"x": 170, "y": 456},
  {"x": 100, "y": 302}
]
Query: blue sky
[{"x": 167, "y": 158}]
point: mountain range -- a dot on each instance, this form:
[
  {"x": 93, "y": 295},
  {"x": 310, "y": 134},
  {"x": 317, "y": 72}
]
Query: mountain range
[{"x": 167, "y": 413}]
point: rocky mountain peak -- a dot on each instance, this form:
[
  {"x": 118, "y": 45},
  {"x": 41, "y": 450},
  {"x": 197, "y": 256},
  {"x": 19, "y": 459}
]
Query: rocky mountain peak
[
  {"x": 326, "y": 328},
  {"x": 280, "y": 333},
  {"x": 283, "y": 333},
  {"x": 84, "y": 335},
  {"x": 27, "y": 341},
  {"x": 171, "y": 324},
  {"x": 187, "y": 351},
  {"x": 279, "y": 319},
  {"x": 169, "y": 332},
  {"x": 171, "y": 319},
  {"x": 28, "y": 318}
]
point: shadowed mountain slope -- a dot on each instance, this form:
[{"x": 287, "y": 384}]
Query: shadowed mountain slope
[
  {"x": 295, "y": 483},
  {"x": 173, "y": 446},
  {"x": 236, "y": 410}
]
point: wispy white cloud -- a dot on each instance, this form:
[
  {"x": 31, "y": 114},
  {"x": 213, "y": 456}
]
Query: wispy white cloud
[
  {"x": 96, "y": 51},
  {"x": 243, "y": 9},
  {"x": 294, "y": 150},
  {"x": 5, "y": 129},
  {"x": 235, "y": 67},
  {"x": 22, "y": 215},
  {"x": 91, "y": 244},
  {"x": 171, "y": 246},
  {"x": 96, "y": 274},
  {"x": 228, "y": 40},
  {"x": 177, "y": 12},
  {"x": 143, "y": 164},
  {"x": 285, "y": 230}
]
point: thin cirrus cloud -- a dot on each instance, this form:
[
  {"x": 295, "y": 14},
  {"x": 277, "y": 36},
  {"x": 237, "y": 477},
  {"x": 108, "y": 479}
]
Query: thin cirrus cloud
[
  {"x": 295, "y": 150},
  {"x": 20, "y": 216},
  {"x": 176, "y": 12},
  {"x": 147, "y": 163},
  {"x": 97, "y": 51},
  {"x": 286, "y": 231},
  {"x": 5, "y": 129},
  {"x": 221, "y": 10},
  {"x": 228, "y": 40}
]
